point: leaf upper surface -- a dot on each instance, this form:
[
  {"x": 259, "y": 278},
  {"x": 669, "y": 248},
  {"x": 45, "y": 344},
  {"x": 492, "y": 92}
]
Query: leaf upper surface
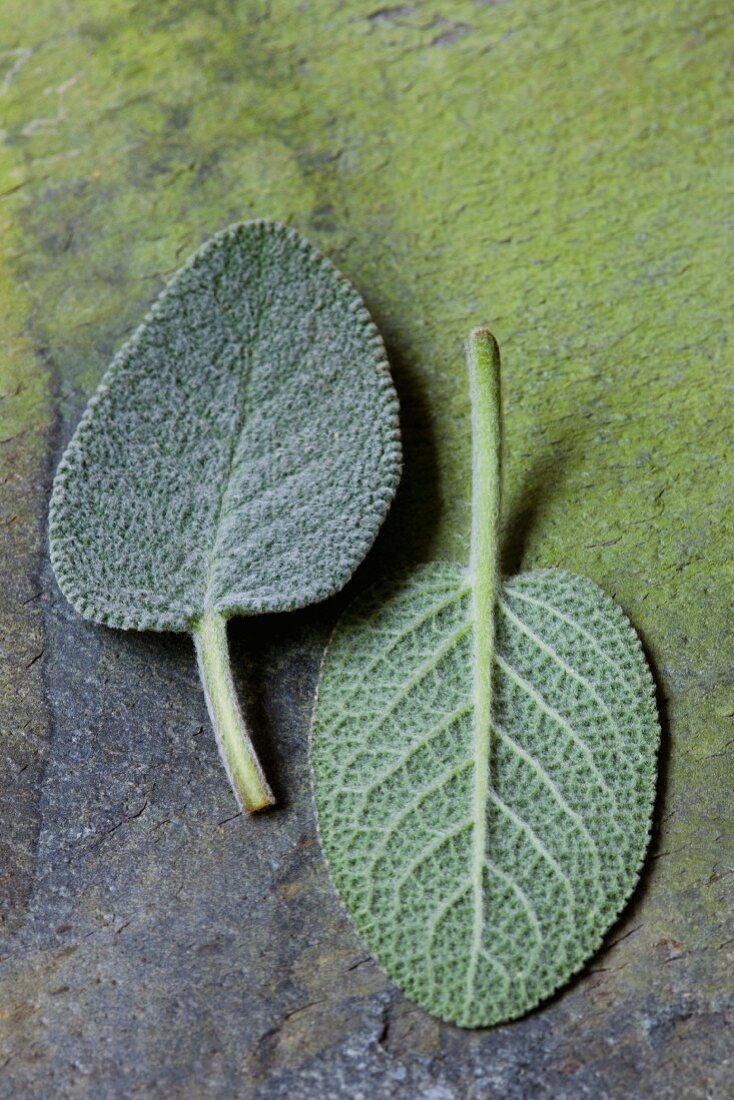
[
  {"x": 564, "y": 821},
  {"x": 242, "y": 450}
]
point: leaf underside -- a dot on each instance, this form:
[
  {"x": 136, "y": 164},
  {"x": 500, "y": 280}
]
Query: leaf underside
[
  {"x": 241, "y": 451},
  {"x": 568, "y": 803}
]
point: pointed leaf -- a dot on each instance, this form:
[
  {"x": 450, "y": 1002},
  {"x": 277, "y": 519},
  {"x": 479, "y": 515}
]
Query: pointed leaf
[
  {"x": 242, "y": 450},
  {"x": 239, "y": 456}
]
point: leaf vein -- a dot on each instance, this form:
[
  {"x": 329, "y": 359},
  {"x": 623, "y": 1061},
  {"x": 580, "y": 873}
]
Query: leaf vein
[
  {"x": 537, "y": 843},
  {"x": 423, "y": 857},
  {"x": 433, "y": 925},
  {"x": 560, "y": 721},
  {"x": 552, "y": 786},
  {"x": 408, "y": 809},
  {"x": 588, "y": 637},
  {"x": 416, "y": 747},
  {"x": 409, "y": 686},
  {"x": 396, "y": 639},
  {"x": 560, "y": 661},
  {"x": 530, "y": 909}
]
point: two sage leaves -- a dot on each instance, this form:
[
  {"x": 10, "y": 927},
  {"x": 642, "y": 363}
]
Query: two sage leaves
[
  {"x": 483, "y": 751},
  {"x": 484, "y": 757},
  {"x": 239, "y": 457}
]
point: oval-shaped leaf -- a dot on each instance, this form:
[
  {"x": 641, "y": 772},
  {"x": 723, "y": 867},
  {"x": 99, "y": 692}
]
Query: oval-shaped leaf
[
  {"x": 484, "y": 757},
  {"x": 239, "y": 456},
  {"x": 242, "y": 449},
  {"x": 483, "y": 876}
]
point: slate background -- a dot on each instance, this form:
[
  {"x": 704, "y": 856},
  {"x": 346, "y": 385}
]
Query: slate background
[{"x": 561, "y": 171}]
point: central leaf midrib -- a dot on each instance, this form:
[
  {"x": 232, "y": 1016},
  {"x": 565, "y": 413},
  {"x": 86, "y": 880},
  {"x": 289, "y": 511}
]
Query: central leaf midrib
[
  {"x": 241, "y": 418},
  {"x": 482, "y": 659}
]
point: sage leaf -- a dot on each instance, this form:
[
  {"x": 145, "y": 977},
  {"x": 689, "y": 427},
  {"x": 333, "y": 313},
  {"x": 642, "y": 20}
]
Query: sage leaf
[
  {"x": 239, "y": 457},
  {"x": 484, "y": 756}
]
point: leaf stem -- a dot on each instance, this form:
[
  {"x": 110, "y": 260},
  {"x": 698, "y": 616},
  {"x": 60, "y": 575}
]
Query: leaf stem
[
  {"x": 483, "y": 357},
  {"x": 233, "y": 739},
  {"x": 483, "y": 360},
  {"x": 484, "y": 382}
]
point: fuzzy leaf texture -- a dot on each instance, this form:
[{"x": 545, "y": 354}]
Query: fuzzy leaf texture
[
  {"x": 242, "y": 450},
  {"x": 239, "y": 455},
  {"x": 484, "y": 755}
]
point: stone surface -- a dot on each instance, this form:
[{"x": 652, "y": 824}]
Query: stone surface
[{"x": 558, "y": 171}]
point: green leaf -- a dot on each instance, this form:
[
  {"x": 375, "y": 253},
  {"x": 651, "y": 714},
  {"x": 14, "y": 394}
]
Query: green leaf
[
  {"x": 239, "y": 456},
  {"x": 484, "y": 759}
]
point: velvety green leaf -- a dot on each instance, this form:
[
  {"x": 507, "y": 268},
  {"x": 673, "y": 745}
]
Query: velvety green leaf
[
  {"x": 481, "y": 907},
  {"x": 484, "y": 755},
  {"x": 242, "y": 450},
  {"x": 239, "y": 456}
]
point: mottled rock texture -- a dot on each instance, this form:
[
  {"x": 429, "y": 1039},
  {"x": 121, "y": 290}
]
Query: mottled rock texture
[{"x": 561, "y": 171}]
